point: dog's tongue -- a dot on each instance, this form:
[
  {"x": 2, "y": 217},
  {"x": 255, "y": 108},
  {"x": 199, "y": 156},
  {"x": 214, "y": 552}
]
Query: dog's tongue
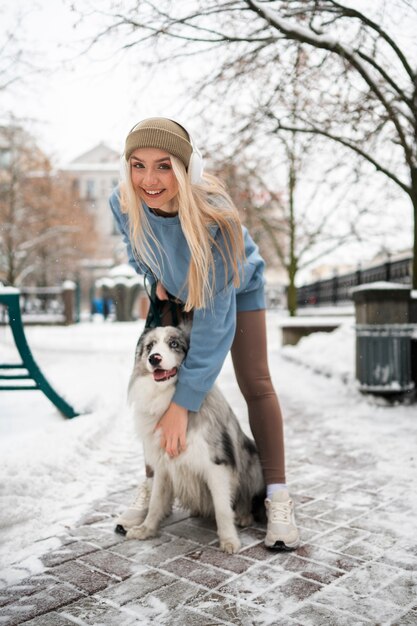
[{"x": 164, "y": 374}]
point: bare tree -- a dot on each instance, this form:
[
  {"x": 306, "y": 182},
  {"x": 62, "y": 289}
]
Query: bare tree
[
  {"x": 365, "y": 94},
  {"x": 284, "y": 221},
  {"x": 43, "y": 229},
  {"x": 17, "y": 60}
]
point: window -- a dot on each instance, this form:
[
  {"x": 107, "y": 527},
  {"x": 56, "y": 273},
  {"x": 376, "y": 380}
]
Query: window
[
  {"x": 5, "y": 157},
  {"x": 90, "y": 189}
]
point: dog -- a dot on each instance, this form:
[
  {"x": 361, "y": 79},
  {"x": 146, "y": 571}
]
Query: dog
[{"x": 219, "y": 472}]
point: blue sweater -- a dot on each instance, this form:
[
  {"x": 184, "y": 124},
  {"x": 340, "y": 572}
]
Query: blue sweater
[{"x": 213, "y": 328}]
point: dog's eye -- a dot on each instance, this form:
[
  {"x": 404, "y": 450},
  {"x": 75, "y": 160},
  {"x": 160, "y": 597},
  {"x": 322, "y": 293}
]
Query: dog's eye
[
  {"x": 174, "y": 344},
  {"x": 149, "y": 346}
]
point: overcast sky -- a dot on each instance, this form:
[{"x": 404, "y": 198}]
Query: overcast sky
[{"x": 79, "y": 100}]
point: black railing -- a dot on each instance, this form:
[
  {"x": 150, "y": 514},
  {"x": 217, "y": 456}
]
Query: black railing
[{"x": 336, "y": 290}]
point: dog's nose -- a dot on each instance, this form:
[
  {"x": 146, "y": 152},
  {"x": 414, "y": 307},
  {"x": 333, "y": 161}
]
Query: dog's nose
[{"x": 155, "y": 359}]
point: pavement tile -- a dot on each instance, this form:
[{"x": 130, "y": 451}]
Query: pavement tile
[
  {"x": 254, "y": 582},
  {"x": 365, "y": 606},
  {"x": 343, "y": 514},
  {"x": 313, "y": 571},
  {"x": 364, "y": 550},
  {"x": 158, "y": 552},
  {"x": 316, "y": 508},
  {"x": 193, "y": 532},
  {"x": 50, "y": 619},
  {"x": 229, "y": 562},
  {"x": 67, "y": 552},
  {"x": 330, "y": 558},
  {"x": 358, "y": 498},
  {"x": 258, "y": 552},
  {"x": 82, "y": 576},
  {"x": 110, "y": 563},
  {"x": 369, "y": 578},
  {"x": 136, "y": 587},
  {"x": 341, "y": 537},
  {"x": 401, "y": 591},
  {"x": 250, "y": 536},
  {"x": 402, "y": 556},
  {"x": 295, "y": 588},
  {"x": 408, "y": 619},
  {"x": 25, "y": 587},
  {"x": 28, "y": 607},
  {"x": 315, "y": 615},
  {"x": 167, "y": 598},
  {"x": 95, "y": 612},
  {"x": 316, "y": 525},
  {"x": 230, "y": 610},
  {"x": 196, "y": 572},
  {"x": 190, "y": 617}
]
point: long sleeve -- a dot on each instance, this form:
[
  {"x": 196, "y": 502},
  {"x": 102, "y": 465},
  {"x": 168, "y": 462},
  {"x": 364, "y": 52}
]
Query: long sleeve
[{"x": 212, "y": 334}]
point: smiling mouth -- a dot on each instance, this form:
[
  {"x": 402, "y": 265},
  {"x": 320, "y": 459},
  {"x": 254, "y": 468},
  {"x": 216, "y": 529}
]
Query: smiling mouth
[
  {"x": 160, "y": 375},
  {"x": 153, "y": 193}
]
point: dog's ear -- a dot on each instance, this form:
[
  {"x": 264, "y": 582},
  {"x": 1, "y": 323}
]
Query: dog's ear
[
  {"x": 185, "y": 328},
  {"x": 141, "y": 343}
]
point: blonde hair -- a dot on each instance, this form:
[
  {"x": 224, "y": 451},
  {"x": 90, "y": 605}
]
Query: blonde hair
[{"x": 199, "y": 207}]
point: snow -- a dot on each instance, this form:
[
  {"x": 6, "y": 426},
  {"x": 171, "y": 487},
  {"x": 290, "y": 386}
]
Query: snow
[
  {"x": 7, "y": 290},
  {"x": 53, "y": 469},
  {"x": 381, "y": 285},
  {"x": 299, "y": 322},
  {"x": 330, "y": 354}
]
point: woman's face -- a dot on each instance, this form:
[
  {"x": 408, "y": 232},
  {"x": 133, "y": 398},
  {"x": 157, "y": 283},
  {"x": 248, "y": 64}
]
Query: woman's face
[{"x": 153, "y": 178}]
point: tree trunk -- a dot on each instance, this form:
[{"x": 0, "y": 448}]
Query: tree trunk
[
  {"x": 414, "y": 201},
  {"x": 292, "y": 292}
]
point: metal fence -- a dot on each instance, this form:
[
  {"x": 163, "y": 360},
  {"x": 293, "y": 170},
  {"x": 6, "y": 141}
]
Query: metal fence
[
  {"x": 336, "y": 290},
  {"x": 46, "y": 305}
]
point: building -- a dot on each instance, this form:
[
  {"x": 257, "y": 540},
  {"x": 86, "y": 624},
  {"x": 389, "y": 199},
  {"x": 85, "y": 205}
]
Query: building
[{"x": 95, "y": 174}]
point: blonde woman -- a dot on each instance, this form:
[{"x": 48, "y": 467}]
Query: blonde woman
[{"x": 183, "y": 233}]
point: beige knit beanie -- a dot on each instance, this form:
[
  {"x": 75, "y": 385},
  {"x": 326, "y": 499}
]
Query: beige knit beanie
[{"x": 162, "y": 133}]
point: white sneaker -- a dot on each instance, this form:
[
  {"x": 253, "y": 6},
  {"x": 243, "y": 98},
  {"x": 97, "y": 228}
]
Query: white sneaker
[
  {"x": 281, "y": 532},
  {"x": 137, "y": 511}
]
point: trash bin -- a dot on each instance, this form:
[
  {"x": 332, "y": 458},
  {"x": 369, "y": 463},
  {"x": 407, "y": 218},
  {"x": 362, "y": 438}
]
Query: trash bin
[
  {"x": 384, "y": 333},
  {"x": 383, "y": 358}
]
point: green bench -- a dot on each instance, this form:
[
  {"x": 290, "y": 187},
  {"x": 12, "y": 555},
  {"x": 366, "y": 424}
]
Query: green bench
[{"x": 9, "y": 297}]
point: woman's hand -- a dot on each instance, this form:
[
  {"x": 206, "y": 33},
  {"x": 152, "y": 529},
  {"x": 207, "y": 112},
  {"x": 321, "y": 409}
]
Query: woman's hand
[
  {"x": 161, "y": 292},
  {"x": 173, "y": 429}
]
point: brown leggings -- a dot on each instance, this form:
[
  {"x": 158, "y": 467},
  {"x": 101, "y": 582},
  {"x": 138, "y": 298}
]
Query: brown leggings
[{"x": 250, "y": 362}]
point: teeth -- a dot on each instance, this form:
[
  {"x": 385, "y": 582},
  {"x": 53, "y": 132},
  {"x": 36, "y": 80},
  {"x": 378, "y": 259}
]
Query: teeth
[{"x": 153, "y": 193}]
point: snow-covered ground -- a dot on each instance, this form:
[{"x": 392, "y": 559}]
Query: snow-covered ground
[{"x": 52, "y": 468}]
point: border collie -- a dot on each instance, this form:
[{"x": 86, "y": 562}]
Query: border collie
[{"x": 219, "y": 473}]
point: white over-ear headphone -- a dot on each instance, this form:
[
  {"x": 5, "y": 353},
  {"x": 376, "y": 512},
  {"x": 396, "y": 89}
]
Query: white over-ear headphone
[{"x": 196, "y": 163}]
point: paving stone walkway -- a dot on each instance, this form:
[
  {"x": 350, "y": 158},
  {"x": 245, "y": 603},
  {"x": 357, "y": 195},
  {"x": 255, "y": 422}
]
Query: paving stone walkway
[{"x": 356, "y": 565}]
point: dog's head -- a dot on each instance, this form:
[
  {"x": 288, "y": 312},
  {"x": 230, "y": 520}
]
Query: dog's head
[{"x": 160, "y": 352}]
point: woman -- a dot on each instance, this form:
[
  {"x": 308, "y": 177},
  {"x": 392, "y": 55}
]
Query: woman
[{"x": 183, "y": 233}]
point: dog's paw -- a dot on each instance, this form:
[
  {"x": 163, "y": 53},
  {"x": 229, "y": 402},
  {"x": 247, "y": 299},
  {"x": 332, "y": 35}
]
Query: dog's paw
[
  {"x": 230, "y": 545},
  {"x": 140, "y": 532},
  {"x": 244, "y": 520}
]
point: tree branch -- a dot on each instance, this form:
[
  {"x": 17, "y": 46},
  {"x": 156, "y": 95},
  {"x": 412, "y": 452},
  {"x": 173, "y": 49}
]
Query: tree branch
[
  {"x": 347, "y": 144},
  {"x": 299, "y": 33}
]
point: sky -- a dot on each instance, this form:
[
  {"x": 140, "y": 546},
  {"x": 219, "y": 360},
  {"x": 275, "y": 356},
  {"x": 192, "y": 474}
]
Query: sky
[{"x": 79, "y": 100}]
